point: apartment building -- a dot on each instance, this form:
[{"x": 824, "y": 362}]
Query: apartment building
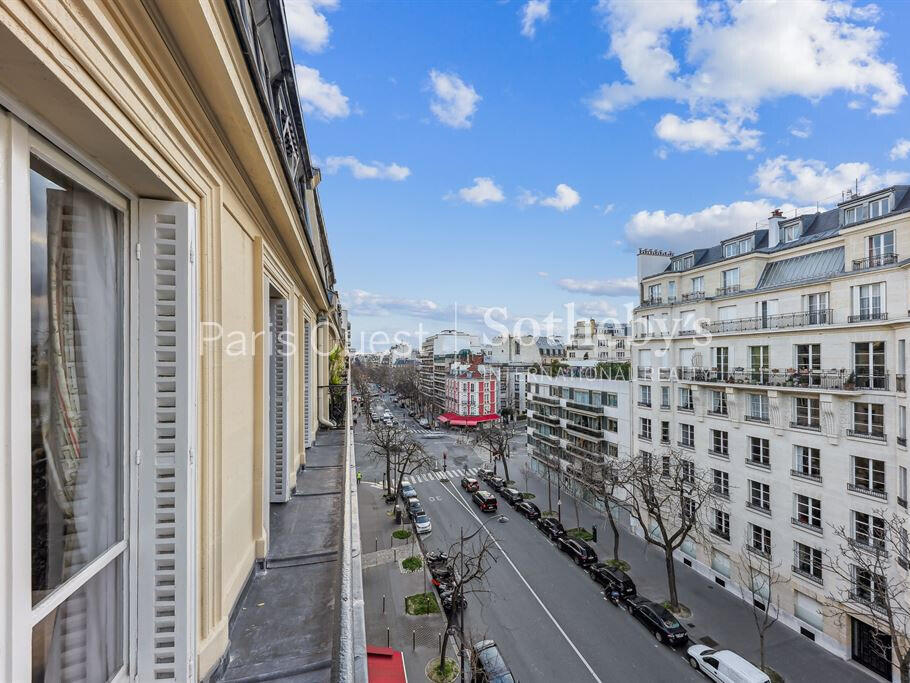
[
  {"x": 594, "y": 342},
  {"x": 575, "y": 422},
  {"x": 437, "y": 353},
  {"x": 514, "y": 357},
  {"x": 162, "y": 243},
  {"x": 471, "y": 394},
  {"x": 777, "y": 359}
]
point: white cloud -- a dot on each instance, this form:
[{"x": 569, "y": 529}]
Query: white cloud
[
  {"x": 610, "y": 287},
  {"x": 318, "y": 96},
  {"x": 801, "y": 128},
  {"x": 532, "y": 12},
  {"x": 739, "y": 54},
  {"x": 370, "y": 303},
  {"x": 608, "y": 209},
  {"x": 454, "y": 101},
  {"x": 308, "y": 27},
  {"x": 809, "y": 181},
  {"x": 901, "y": 149},
  {"x": 708, "y": 134},
  {"x": 543, "y": 273},
  {"x": 563, "y": 199},
  {"x": 483, "y": 191},
  {"x": 597, "y": 308},
  {"x": 372, "y": 171}
]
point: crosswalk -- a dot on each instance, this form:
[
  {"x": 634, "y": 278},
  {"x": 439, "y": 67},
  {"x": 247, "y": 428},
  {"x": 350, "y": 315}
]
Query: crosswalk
[{"x": 436, "y": 476}]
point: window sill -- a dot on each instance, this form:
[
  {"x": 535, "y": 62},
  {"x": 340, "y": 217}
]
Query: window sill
[
  {"x": 758, "y": 465},
  {"x": 867, "y": 436},
  {"x": 814, "y": 478},
  {"x": 759, "y": 509},
  {"x": 805, "y": 427},
  {"x": 719, "y": 455},
  {"x": 817, "y": 530},
  {"x": 872, "y": 493},
  {"x": 687, "y": 446},
  {"x": 807, "y": 576},
  {"x": 718, "y": 413},
  {"x": 759, "y": 420},
  {"x": 719, "y": 534}
]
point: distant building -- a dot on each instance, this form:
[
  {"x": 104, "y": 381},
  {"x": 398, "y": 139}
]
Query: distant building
[
  {"x": 594, "y": 342},
  {"x": 471, "y": 393},
  {"x": 514, "y": 357},
  {"x": 437, "y": 353}
]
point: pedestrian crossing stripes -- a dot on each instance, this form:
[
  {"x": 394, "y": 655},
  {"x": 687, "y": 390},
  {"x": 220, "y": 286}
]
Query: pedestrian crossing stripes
[{"x": 436, "y": 476}]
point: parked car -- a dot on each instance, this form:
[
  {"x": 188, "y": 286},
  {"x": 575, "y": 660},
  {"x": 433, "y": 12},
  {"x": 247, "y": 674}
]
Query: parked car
[
  {"x": 407, "y": 491},
  {"x": 659, "y": 620},
  {"x": 551, "y": 527},
  {"x": 470, "y": 484},
  {"x": 512, "y": 496},
  {"x": 423, "y": 524},
  {"x": 496, "y": 483},
  {"x": 424, "y": 422},
  {"x": 485, "y": 500},
  {"x": 489, "y": 666},
  {"x": 580, "y": 552},
  {"x": 613, "y": 579},
  {"x": 725, "y": 666},
  {"x": 414, "y": 508},
  {"x": 374, "y": 417},
  {"x": 528, "y": 509},
  {"x": 484, "y": 473}
]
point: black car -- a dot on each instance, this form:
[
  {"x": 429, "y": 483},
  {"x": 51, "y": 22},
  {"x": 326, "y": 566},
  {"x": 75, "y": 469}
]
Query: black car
[
  {"x": 579, "y": 551},
  {"x": 414, "y": 508},
  {"x": 489, "y": 666},
  {"x": 659, "y": 620},
  {"x": 484, "y": 473},
  {"x": 512, "y": 496},
  {"x": 497, "y": 483},
  {"x": 528, "y": 509},
  {"x": 470, "y": 484},
  {"x": 485, "y": 500},
  {"x": 551, "y": 527},
  {"x": 613, "y": 579}
]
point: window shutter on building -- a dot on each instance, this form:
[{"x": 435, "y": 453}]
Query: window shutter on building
[
  {"x": 166, "y": 409},
  {"x": 307, "y": 385},
  {"x": 278, "y": 402}
]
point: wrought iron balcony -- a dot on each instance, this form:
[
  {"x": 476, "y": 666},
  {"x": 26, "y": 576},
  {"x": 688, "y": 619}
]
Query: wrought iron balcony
[
  {"x": 758, "y": 463},
  {"x": 779, "y": 321},
  {"x": 720, "y": 533},
  {"x": 815, "y": 427},
  {"x": 652, "y": 301},
  {"x": 729, "y": 289},
  {"x": 806, "y": 475},
  {"x": 876, "y": 546},
  {"x": 815, "y": 528},
  {"x": 872, "y": 436},
  {"x": 807, "y": 575},
  {"x": 827, "y": 380},
  {"x": 693, "y": 296},
  {"x": 758, "y": 507},
  {"x": 875, "y": 261},
  {"x": 866, "y": 491},
  {"x": 868, "y": 316}
]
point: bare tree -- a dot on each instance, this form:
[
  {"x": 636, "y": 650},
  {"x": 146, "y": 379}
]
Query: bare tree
[
  {"x": 497, "y": 441},
  {"x": 526, "y": 473},
  {"x": 669, "y": 497},
  {"x": 759, "y": 578},
  {"x": 361, "y": 383},
  {"x": 872, "y": 583},
  {"x": 409, "y": 458},
  {"x": 386, "y": 441},
  {"x": 609, "y": 489}
]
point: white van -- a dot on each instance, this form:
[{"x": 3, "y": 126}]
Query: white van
[{"x": 725, "y": 666}]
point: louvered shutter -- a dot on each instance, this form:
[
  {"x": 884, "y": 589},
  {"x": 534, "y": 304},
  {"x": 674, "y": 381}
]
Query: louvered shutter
[
  {"x": 166, "y": 407},
  {"x": 307, "y": 385},
  {"x": 278, "y": 402}
]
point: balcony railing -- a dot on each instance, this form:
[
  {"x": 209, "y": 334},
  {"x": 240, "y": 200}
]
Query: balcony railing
[
  {"x": 876, "y": 493},
  {"x": 718, "y": 413},
  {"x": 718, "y": 454},
  {"x": 900, "y": 383},
  {"x": 779, "y": 321},
  {"x": 693, "y": 296},
  {"x": 805, "y": 475},
  {"x": 721, "y": 492},
  {"x": 758, "y": 507},
  {"x": 549, "y": 419},
  {"x": 720, "y": 533},
  {"x": 686, "y": 444},
  {"x": 806, "y": 425},
  {"x": 584, "y": 407},
  {"x": 758, "y": 463},
  {"x": 817, "y": 528},
  {"x": 807, "y": 575},
  {"x": 589, "y": 432},
  {"x": 652, "y": 301},
  {"x": 550, "y": 439},
  {"x": 872, "y": 436},
  {"x": 763, "y": 419},
  {"x": 875, "y": 261},
  {"x": 827, "y": 380},
  {"x": 729, "y": 289},
  {"x": 549, "y": 400},
  {"x": 870, "y": 545},
  {"x": 583, "y": 453},
  {"x": 867, "y": 317}
]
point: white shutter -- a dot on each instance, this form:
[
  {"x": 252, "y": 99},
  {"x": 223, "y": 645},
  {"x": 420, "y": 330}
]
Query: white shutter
[
  {"x": 883, "y": 293},
  {"x": 307, "y": 384},
  {"x": 166, "y": 406},
  {"x": 278, "y": 402},
  {"x": 854, "y": 291}
]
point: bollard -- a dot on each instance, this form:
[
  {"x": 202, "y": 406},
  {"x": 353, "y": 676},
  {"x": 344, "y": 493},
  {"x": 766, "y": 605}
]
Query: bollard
[
  {"x": 439, "y": 641},
  {"x": 388, "y": 637},
  {"x": 377, "y": 543},
  {"x": 413, "y": 640},
  {"x": 383, "y": 604}
]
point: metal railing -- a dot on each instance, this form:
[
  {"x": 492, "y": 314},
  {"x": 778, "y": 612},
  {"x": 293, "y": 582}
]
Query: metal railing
[
  {"x": 585, "y": 431},
  {"x": 806, "y": 425},
  {"x": 828, "y": 380},
  {"x": 877, "y": 493},
  {"x": 870, "y": 545},
  {"x": 652, "y": 301},
  {"x": 875, "y": 261},
  {"x": 807, "y": 575},
  {"x": 758, "y": 507},
  {"x": 817, "y": 528},
  {"x": 872, "y": 436},
  {"x": 867, "y": 317},
  {"x": 806, "y": 475},
  {"x": 729, "y": 289},
  {"x": 693, "y": 296},
  {"x": 720, "y": 533},
  {"x": 778, "y": 321},
  {"x": 758, "y": 463}
]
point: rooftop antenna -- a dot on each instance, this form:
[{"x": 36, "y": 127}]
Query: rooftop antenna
[{"x": 856, "y": 183}]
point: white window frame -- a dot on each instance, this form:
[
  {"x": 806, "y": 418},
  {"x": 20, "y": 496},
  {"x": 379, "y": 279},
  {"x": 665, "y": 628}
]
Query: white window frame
[{"x": 698, "y": 284}]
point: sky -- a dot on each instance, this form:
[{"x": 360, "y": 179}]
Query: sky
[{"x": 489, "y": 161}]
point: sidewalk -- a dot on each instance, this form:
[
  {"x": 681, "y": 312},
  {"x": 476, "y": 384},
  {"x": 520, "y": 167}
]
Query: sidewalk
[{"x": 719, "y": 618}]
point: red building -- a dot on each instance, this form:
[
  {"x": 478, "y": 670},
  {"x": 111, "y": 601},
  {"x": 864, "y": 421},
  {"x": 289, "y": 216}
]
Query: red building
[{"x": 472, "y": 394}]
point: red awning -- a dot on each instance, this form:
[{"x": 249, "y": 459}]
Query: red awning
[
  {"x": 466, "y": 420},
  {"x": 385, "y": 665}
]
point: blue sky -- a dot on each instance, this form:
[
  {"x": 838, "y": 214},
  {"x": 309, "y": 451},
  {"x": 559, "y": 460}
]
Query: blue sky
[{"x": 593, "y": 128}]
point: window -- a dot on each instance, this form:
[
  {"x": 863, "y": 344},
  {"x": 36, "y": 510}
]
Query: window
[
  {"x": 612, "y": 424},
  {"x": 868, "y": 474},
  {"x": 807, "y": 461},
  {"x": 869, "y": 587},
  {"x": 758, "y": 408},
  {"x": 807, "y": 560},
  {"x": 719, "y": 402},
  {"x": 671, "y": 291},
  {"x": 719, "y": 442},
  {"x": 731, "y": 279},
  {"x": 687, "y": 468},
  {"x": 644, "y": 431},
  {"x": 760, "y": 539},
  {"x": 869, "y": 365},
  {"x": 809, "y": 357},
  {"x": 879, "y": 207},
  {"x": 880, "y": 245},
  {"x": 721, "y": 360},
  {"x": 79, "y": 488},
  {"x": 685, "y": 399},
  {"x": 687, "y": 435},
  {"x": 646, "y": 459},
  {"x": 869, "y": 302},
  {"x": 721, "y": 483},
  {"x": 759, "y": 495},
  {"x": 854, "y": 214},
  {"x": 758, "y": 358},
  {"x": 665, "y": 397},
  {"x": 665, "y": 432},
  {"x": 654, "y": 292},
  {"x": 869, "y": 419},
  {"x": 759, "y": 451},
  {"x": 722, "y": 523},
  {"x": 690, "y": 510},
  {"x": 644, "y": 397},
  {"x": 868, "y": 530},
  {"x": 902, "y": 484},
  {"x": 738, "y": 247},
  {"x": 807, "y": 412},
  {"x": 684, "y": 262},
  {"x": 791, "y": 233},
  {"x": 808, "y": 511},
  {"x": 816, "y": 305},
  {"x": 665, "y": 466},
  {"x": 610, "y": 399},
  {"x": 698, "y": 285}
]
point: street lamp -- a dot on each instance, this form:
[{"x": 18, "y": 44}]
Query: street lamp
[{"x": 502, "y": 519}]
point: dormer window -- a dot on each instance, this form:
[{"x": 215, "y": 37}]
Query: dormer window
[
  {"x": 791, "y": 233},
  {"x": 874, "y": 208},
  {"x": 854, "y": 214},
  {"x": 879, "y": 207},
  {"x": 738, "y": 247},
  {"x": 684, "y": 262}
]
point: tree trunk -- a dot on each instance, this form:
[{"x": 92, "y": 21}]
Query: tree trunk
[
  {"x": 549, "y": 492},
  {"x": 445, "y": 637},
  {"x": 761, "y": 650},
  {"x": 505, "y": 468},
  {"x": 671, "y": 578},
  {"x": 388, "y": 473},
  {"x": 904, "y": 668},
  {"x": 615, "y": 529}
]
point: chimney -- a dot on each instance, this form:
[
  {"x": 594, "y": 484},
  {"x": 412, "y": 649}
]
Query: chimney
[{"x": 774, "y": 227}]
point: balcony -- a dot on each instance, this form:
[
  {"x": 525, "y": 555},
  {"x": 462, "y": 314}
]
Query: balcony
[
  {"x": 721, "y": 533},
  {"x": 693, "y": 296},
  {"x": 597, "y": 411},
  {"x": 729, "y": 289},
  {"x": 874, "y": 546},
  {"x": 806, "y": 425},
  {"x": 780, "y": 321},
  {"x": 766, "y": 554},
  {"x": 548, "y": 400},
  {"x": 717, "y": 413},
  {"x": 869, "y": 316},
  {"x": 547, "y": 438},
  {"x": 900, "y": 383},
  {"x": 721, "y": 492},
  {"x": 590, "y": 456},
  {"x": 652, "y": 301},
  {"x": 548, "y": 419},
  {"x": 808, "y": 526},
  {"x": 758, "y": 507},
  {"x": 584, "y": 431},
  {"x": 830, "y": 380},
  {"x": 875, "y": 261},
  {"x": 807, "y": 575},
  {"x": 875, "y": 493},
  {"x": 871, "y": 436},
  {"x": 759, "y": 464},
  {"x": 799, "y": 474}
]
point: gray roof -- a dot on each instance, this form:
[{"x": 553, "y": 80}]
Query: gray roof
[
  {"x": 815, "y": 265},
  {"x": 549, "y": 343}
]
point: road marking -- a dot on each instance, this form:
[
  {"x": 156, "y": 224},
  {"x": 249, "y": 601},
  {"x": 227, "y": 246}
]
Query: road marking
[{"x": 471, "y": 512}]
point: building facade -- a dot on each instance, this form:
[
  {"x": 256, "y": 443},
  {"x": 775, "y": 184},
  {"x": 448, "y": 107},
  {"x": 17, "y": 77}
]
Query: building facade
[
  {"x": 437, "y": 353},
  {"x": 777, "y": 360},
  {"x": 160, "y": 207},
  {"x": 594, "y": 342},
  {"x": 514, "y": 357},
  {"x": 471, "y": 393}
]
